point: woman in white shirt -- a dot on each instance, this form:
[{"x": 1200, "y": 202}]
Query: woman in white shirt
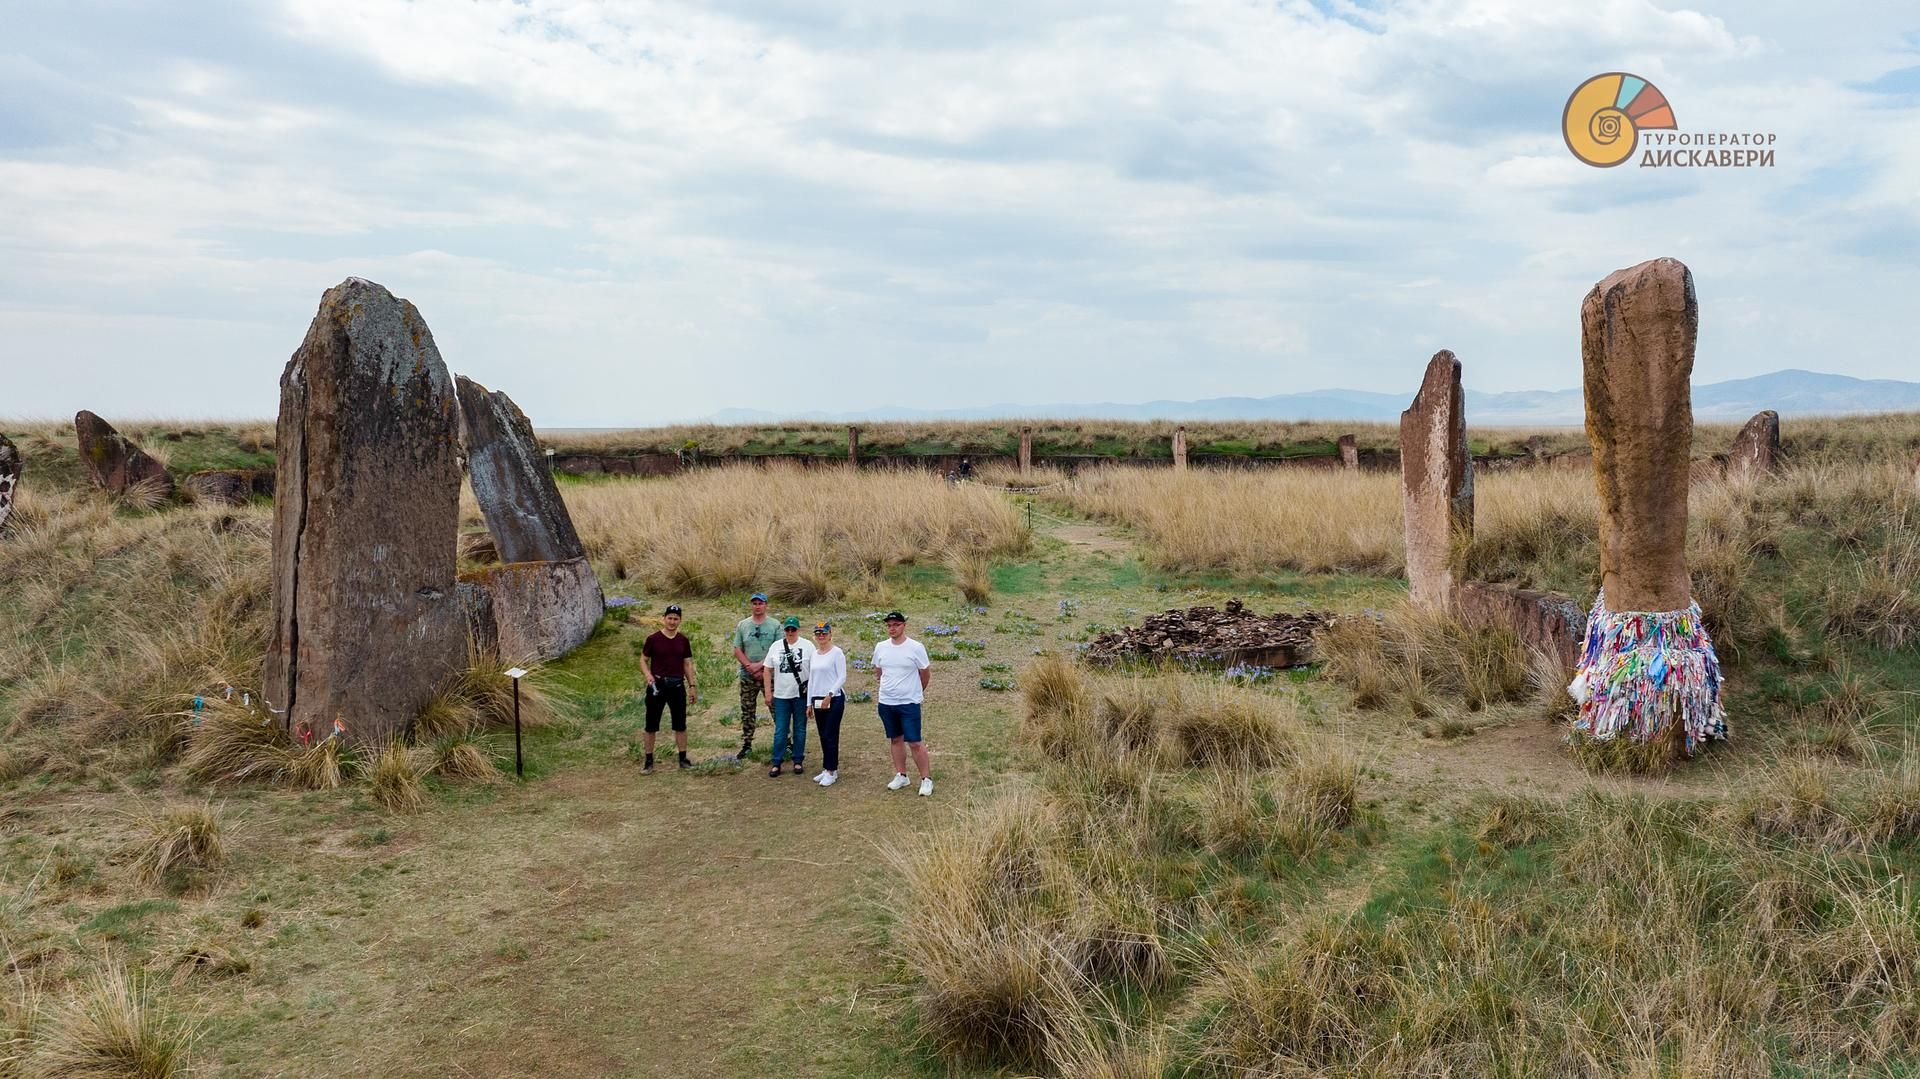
[{"x": 827, "y": 699}]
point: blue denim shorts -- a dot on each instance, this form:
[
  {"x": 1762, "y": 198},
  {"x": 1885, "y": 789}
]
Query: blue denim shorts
[{"x": 901, "y": 721}]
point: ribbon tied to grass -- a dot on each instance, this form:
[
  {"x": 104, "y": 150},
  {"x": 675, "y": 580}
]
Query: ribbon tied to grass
[{"x": 1642, "y": 671}]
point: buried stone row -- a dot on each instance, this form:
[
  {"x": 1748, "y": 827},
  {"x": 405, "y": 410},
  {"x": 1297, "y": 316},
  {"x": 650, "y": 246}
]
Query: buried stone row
[
  {"x": 370, "y": 617},
  {"x": 1644, "y": 667}
]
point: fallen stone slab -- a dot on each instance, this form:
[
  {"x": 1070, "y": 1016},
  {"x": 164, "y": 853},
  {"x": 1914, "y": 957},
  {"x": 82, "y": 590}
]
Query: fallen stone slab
[
  {"x": 115, "y": 462},
  {"x": 537, "y": 610},
  {"x": 1546, "y": 622},
  {"x": 225, "y": 486}
]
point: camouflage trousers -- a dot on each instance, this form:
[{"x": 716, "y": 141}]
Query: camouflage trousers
[{"x": 750, "y": 690}]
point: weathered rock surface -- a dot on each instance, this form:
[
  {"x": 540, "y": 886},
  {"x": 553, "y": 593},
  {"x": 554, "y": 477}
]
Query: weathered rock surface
[
  {"x": 538, "y": 610},
  {"x": 1213, "y": 635},
  {"x": 1436, "y": 478},
  {"x": 511, "y": 480},
  {"x": 366, "y": 620},
  {"x": 227, "y": 486},
  {"x": 10, "y": 466},
  {"x": 115, "y": 462},
  {"x": 1637, "y": 333},
  {"x": 1546, "y": 622},
  {"x": 1349, "y": 452},
  {"x": 1756, "y": 449}
]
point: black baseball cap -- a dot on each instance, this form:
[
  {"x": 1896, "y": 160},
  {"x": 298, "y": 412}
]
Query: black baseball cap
[
  {"x": 894, "y": 616},
  {"x": 672, "y": 608}
]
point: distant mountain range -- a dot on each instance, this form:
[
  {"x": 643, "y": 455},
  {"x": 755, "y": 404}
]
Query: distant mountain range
[{"x": 1790, "y": 393}]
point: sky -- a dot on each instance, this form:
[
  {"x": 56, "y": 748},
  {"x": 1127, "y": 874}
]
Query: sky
[{"x": 634, "y": 213}]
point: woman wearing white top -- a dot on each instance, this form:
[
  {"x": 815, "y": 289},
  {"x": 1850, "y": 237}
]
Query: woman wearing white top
[{"x": 827, "y": 699}]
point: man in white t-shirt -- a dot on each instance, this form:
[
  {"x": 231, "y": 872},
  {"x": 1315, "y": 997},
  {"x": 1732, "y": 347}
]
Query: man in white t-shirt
[
  {"x": 901, "y": 664},
  {"x": 785, "y": 670}
]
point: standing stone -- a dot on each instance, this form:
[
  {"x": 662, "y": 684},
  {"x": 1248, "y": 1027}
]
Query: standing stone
[
  {"x": 9, "y": 477},
  {"x": 1180, "y": 449},
  {"x": 366, "y": 620},
  {"x": 115, "y": 462},
  {"x": 1756, "y": 449},
  {"x": 853, "y": 447},
  {"x": 1436, "y": 477},
  {"x": 511, "y": 479},
  {"x": 1349, "y": 453},
  {"x": 1026, "y": 451},
  {"x": 1637, "y": 332},
  {"x": 225, "y": 486}
]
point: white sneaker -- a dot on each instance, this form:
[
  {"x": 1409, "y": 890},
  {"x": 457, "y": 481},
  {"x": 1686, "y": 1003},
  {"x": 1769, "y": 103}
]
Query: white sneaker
[
  {"x": 821, "y": 778},
  {"x": 828, "y": 779},
  {"x": 926, "y": 786},
  {"x": 899, "y": 780}
]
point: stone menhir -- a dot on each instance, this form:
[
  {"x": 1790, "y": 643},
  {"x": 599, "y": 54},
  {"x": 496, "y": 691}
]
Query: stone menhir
[
  {"x": 1026, "y": 451},
  {"x": 224, "y": 486},
  {"x": 1638, "y": 328},
  {"x": 511, "y": 480},
  {"x": 1436, "y": 478},
  {"x": 367, "y": 624},
  {"x": 1349, "y": 452},
  {"x": 115, "y": 462},
  {"x": 1180, "y": 449},
  {"x": 853, "y": 446},
  {"x": 1756, "y": 449},
  {"x": 9, "y": 477},
  {"x": 533, "y": 610}
]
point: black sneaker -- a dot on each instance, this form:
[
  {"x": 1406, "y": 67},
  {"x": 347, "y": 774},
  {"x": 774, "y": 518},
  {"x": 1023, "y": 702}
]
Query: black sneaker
[
  {"x": 647, "y": 768},
  {"x": 685, "y": 763}
]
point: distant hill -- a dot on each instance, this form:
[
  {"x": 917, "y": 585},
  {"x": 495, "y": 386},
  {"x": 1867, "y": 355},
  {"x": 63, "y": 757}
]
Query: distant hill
[{"x": 1790, "y": 393}]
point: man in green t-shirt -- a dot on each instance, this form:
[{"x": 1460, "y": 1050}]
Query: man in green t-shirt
[{"x": 751, "y": 639}]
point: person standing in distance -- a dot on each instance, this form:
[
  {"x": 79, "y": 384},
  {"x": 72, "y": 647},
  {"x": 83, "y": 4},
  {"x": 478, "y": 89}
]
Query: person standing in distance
[
  {"x": 667, "y": 661},
  {"x": 901, "y": 664},
  {"x": 751, "y": 639},
  {"x": 785, "y": 668},
  {"x": 827, "y": 699}
]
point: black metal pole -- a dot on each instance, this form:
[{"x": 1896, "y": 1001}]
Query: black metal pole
[{"x": 519, "y": 766}]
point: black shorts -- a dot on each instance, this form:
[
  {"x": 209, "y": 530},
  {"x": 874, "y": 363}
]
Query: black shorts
[{"x": 667, "y": 693}]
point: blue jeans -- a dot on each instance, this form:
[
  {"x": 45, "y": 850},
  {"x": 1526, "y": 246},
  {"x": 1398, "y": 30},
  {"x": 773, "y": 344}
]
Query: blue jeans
[{"x": 789, "y": 712}]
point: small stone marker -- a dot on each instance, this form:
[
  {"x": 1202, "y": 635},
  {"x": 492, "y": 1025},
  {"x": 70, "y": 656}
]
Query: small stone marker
[
  {"x": 511, "y": 479},
  {"x": 1026, "y": 451},
  {"x": 853, "y": 446},
  {"x": 1180, "y": 449},
  {"x": 367, "y": 623},
  {"x": 225, "y": 486},
  {"x": 1436, "y": 478},
  {"x": 1349, "y": 452},
  {"x": 10, "y": 466},
  {"x": 115, "y": 462},
  {"x": 1647, "y": 667},
  {"x": 1756, "y": 449}
]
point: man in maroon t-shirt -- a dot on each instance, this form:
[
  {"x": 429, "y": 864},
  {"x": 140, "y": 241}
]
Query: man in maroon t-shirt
[{"x": 667, "y": 660}]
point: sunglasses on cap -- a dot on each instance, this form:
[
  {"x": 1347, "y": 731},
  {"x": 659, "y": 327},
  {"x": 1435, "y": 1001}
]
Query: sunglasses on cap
[{"x": 821, "y": 629}]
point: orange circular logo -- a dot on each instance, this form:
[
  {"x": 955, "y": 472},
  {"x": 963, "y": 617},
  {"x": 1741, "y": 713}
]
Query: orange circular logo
[{"x": 1605, "y": 114}]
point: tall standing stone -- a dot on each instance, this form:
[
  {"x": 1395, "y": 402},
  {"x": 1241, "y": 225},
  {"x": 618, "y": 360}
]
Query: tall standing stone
[
  {"x": 853, "y": 446},
  {"x": 511, "y": 480},
  {"x": 1026, "y": 451},
  {"x": 366, "y": 620},
  {"x": 1756, "y": 449},
  {"x": 1180, "y": 449},
  {"x": 9, "y": 477},
  {"x": 1637, "y": 333},
  {"x": 115, "y": 462},
  {"x": 1436, "y": 477},
  {"x": 1349, "y": 452}
]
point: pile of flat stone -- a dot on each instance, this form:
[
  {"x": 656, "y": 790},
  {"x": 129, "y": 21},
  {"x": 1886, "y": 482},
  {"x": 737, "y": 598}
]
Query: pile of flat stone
[{"x": 1211, "y": 635}]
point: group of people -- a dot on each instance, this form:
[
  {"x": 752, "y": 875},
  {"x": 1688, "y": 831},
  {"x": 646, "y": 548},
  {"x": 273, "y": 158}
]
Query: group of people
[{"x": 803, "y": 681}]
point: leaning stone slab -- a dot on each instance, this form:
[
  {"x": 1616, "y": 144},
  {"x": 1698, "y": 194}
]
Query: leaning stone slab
[
  {"x": 366, "y": 621},
  {"x": 1436, "y": 477},
  {"x": 538, "y": 610},
  {"x": 225, "y": 486},
  {"x": 9, "y": 477},
  {"x": 511, "y": 480},
  {"x": 115, "y": 462},
  {"x": 1756, "y": 449},
  {"x": 1648, "y": 671}
]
